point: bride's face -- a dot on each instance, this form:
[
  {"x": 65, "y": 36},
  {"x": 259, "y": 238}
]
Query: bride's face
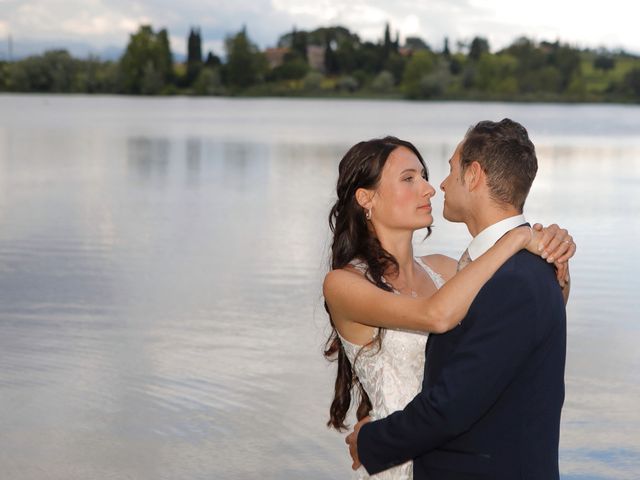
[{"x": 403, "y": 197}]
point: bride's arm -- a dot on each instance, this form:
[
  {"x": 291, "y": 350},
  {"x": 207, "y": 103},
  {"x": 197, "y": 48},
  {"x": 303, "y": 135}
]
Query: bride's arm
[
  {"x": 555, "y": 245},
  {"x": 352, "y": 298}
]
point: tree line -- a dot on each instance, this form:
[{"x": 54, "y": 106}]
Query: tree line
[{"x": 332, "y": 61}]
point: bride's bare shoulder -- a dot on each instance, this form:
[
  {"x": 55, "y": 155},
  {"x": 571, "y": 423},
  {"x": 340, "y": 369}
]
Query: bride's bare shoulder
[
  {"x": 445, "y": 266},
  {"x": 340, "y": 278}
]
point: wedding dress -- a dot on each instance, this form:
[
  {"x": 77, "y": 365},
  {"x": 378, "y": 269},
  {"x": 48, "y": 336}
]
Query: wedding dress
[{"x": 392, "y": 377}]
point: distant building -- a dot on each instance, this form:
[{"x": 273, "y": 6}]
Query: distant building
[
  {"x": 315, "y": 57},
  {"x": 275, "y": 56},
  {"x": 405, "y": 51}
]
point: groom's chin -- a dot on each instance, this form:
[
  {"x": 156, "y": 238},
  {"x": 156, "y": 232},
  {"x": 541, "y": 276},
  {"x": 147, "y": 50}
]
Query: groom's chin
[{"x": 451, "y": 218}]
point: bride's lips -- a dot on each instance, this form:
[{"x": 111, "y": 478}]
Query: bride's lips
[{"x": 425, "y": 207}]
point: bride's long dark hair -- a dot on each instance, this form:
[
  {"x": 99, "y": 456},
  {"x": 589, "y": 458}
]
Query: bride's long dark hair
[{"x": 353, "y": 238}]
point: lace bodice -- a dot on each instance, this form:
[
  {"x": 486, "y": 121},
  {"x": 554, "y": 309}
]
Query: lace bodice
[{"x": 392, "y": 376}]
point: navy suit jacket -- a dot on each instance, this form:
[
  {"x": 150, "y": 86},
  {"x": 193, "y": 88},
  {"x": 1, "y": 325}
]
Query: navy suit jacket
[{"x": 492, "y": 391}]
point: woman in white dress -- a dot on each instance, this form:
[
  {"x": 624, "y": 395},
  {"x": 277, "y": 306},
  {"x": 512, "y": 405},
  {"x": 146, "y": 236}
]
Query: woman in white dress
[{"x": 381, "y": 300}]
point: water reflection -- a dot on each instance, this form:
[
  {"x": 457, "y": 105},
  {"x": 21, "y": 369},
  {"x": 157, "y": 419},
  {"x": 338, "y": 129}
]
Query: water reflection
[
  {"x": 148, "y": 158},
  {"x": 194, "y": 160},
  {"x": 161, "y": 311}
]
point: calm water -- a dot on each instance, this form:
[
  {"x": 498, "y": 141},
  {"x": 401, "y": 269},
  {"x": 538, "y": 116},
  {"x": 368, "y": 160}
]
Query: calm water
[{"x": 160, "y": 269}]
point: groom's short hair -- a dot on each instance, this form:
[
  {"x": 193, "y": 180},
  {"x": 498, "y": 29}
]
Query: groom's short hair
[{"x": 506, "y": 155}]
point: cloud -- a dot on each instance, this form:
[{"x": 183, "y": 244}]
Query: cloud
[{"x": 103, "y": 23}]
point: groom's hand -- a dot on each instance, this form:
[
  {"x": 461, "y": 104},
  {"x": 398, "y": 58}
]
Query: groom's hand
[{"x": 352, "y": 441}]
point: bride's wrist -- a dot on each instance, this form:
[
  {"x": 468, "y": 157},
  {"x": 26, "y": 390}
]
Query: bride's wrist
[{"x": 524, "y": 236}]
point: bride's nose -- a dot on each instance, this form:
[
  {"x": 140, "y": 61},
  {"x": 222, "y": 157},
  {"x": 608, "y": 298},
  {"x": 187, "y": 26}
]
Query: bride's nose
[{"x": 429, "y": 191}]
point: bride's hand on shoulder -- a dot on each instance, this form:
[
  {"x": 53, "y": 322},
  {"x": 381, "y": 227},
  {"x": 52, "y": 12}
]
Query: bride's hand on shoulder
[
  {"x": 556, "y": 246},
  {"x": 552, "y": 243}
]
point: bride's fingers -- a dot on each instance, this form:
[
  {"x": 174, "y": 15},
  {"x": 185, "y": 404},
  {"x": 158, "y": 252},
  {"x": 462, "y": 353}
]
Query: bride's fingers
[
  {"x": 571, "y": 251},
  {"x": 555, "y": 246},
  {"x": 548, "y": 234},
  {"x": 562, "y": 273},
  {"x": 564, "y": 251}
]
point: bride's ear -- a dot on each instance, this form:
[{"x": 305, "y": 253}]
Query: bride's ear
[{"x": 363, "y": 197}]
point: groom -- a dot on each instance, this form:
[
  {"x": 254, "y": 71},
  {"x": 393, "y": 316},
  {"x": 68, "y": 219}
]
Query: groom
[{"x": 493, "y": 387}]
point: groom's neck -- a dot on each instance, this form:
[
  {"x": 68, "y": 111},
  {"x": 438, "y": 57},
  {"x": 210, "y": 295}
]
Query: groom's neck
[{"x": 485, "y": 216}]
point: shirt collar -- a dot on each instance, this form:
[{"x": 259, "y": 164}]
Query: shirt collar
[{"x": 490, "y": 235}]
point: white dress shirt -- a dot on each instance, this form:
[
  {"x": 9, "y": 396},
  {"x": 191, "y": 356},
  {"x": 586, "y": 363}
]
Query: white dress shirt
[{"x": 490, "y": 235}]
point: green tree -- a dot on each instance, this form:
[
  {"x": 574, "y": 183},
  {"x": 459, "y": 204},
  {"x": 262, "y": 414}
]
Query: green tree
[
  {"x": 388, "y": 46},
  {"x": 566, "y": 60},
  {"x": 419, "y": 66},
  {"x": 212, "y": 60},
  {"x": 146, "y": 66},
  {"x": 346, "y": 55},
  {"x": 54, "y": 71},
  {"x": 313, "y": 81},
  {"x": 335, "y": 35},
  {"x": 208, "y": 82},
  {"x": 245, "y": 66},
  {"x": 299, "y": 43},
  {"x": 194, "y": 55},
  {"x": 330, "y": 59},
  {"x": 396, "y": 64},
  {"x": 416, "y": 43},
  {"x": 384, "y": 82},
  {"x": 347, "y": 83},
  {"x": 5, "y": 76},
  {"x": 531, "y": 60},
  {"x": 152, "y": 80},
  {"x": 456, "y": 63},
  {"x": 478, "y": 46},
  {"x": 294, "y": 67},
  {"x": 604, "y": 62},
  {"x": 95, "y": 76},
  {"x": 493, "y": 73},
  {"x": 369, "y": 58},
  {"x": 631, "y": 83},
  {"x": 446, "y": 53}
]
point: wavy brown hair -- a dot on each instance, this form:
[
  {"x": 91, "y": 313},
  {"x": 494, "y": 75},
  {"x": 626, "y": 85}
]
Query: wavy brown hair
[{"x": 353, "y": 238}]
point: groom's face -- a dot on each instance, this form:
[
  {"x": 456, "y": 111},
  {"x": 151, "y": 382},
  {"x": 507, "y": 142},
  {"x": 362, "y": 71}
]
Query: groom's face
[{"x": 454, "y": 189}]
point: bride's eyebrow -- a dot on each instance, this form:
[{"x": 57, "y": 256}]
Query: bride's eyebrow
[{"x": 412, "y": 170}]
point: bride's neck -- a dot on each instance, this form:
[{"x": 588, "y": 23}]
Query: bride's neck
[{"x": 401, "y": 247}]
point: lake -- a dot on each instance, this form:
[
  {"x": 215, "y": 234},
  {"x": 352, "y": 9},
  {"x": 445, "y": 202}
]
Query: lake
[{"x": 161, "y": 263}]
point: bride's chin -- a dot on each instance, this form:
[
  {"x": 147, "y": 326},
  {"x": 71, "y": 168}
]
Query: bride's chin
[
  {"x": 427, "y": 222},
  {"x": 424, "y": 224}
]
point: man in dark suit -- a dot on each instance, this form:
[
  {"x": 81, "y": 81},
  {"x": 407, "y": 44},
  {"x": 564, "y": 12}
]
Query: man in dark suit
[{"x": 493, "y": 387}]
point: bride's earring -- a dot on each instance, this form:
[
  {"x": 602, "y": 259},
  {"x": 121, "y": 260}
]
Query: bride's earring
[{"x": 368, "y": 214}]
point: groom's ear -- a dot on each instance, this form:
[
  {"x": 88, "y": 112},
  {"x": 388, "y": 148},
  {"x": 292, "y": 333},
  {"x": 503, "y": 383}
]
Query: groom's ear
[{"x": 474, "y": 175}]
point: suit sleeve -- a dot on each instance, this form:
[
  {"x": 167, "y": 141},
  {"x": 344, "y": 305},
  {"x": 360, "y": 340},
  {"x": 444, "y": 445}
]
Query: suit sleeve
[{"x": 498, "y": 339}]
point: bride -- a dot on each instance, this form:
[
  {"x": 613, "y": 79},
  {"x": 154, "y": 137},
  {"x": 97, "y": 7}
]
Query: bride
[{"x": 381, "y": 299}]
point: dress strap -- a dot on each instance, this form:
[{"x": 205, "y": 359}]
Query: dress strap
[
  {"x": 359, "y": 265},
  {"x": 364, "y": 269},
  {"x": 435, "y": 276}
]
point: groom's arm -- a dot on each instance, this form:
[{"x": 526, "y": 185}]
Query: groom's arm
[{"x": 490, "y": 352}]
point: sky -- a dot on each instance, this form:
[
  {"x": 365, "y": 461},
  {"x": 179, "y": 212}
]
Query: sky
[{"x": 103, "y": 26}]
